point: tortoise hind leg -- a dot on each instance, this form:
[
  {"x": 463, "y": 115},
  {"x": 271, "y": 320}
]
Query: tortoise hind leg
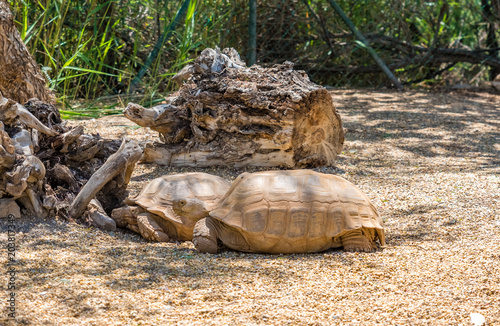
[
  {"x": 205, "y": 237},
  {"x": 150, "y": 229},
  {"x": 355, "y": 240}
]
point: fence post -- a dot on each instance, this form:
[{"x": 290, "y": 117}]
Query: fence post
[{"x": 252, "y": 32}]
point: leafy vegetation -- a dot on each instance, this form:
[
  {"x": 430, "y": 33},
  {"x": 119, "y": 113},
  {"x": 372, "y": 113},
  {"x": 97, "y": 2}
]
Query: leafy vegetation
[
  {"x": 94, "y": 49},
  {"x": 90, "y": 49}
]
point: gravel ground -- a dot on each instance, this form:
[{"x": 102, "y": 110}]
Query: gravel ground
[{"x": 430, "y": 163}]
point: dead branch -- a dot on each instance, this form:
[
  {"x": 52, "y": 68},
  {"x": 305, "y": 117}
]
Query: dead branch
[{"x": 119, "y": 165}]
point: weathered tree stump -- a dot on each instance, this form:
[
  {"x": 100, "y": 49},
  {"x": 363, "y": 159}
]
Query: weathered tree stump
[
  {"x": 44, "y": 165},
  {"x": 228, "y": 114}
]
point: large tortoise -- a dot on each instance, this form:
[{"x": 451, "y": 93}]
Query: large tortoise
[
  {"x": 151, "y": 213},
  {"x": 287, "y": 212}
]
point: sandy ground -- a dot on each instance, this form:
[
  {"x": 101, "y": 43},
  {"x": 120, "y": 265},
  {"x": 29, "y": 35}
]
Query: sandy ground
[{"x": 430, "y": 163}]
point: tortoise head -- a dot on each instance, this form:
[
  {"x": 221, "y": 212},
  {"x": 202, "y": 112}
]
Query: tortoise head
[{"x": 192, "y": 209}]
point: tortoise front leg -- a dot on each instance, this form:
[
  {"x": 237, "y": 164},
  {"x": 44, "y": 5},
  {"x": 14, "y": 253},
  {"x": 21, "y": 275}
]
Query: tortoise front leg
[
  {"x": 355, "y": 240},
  {"x": 205, "y": 236},
  {"x": 150, "y": 229}
]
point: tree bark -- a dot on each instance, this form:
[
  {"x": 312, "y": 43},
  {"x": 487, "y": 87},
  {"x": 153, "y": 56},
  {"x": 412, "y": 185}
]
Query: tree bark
[
  {"x": 232, "y": 115},
  {"x": 20, "y": 76}
]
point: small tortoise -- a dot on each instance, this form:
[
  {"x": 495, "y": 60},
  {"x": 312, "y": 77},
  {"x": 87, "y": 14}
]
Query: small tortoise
[
  {"x": 151, "y": 213},
  {"x": 287, "y": 212}
]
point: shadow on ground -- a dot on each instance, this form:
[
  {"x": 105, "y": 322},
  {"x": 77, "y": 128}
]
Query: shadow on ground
[{"x": 449, "y": 125}]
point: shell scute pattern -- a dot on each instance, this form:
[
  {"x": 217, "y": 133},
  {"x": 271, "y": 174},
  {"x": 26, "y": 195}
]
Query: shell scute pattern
[
  {"x": 299, "y": 220},
  {"x": 295, "y": 207},
  {"x": 203, "y": 189},
  {"x": 316, "y": 189},
  {"x": 255, "y": 217},
  {"x": 250, "y": 191},
  {"x": 319, "y": 219},
  {"x": 281, "y": 187},
  {"x": 158, "y": 196},
  {"x": 277, "y": 221}
]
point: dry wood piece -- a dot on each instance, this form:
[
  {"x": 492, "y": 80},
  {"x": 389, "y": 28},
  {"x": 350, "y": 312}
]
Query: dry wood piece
[
  {"x": 31, "y": 170},
  {"x": 23, "y": 142},
  {"x": 8, "y": 206},
  {"x": 119, "y": 165},
  {"x": 228, "y": 114},
  {"x": 98, "y": 217},
  {"x": 7, "y": 151},
  {"x": 68, "y": 138},
  {"x": 84, "y": 148},
  {"x": 25, "y": 181},
  {"x": 23, "y": 173},
  {"x": 63, "y": 173},
  {"x": 11, "y": 111}
]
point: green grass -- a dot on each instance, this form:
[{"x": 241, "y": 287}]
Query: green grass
[{"x": 93, "y": 49}]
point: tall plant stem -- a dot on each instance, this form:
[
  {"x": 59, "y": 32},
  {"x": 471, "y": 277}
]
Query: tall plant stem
[
  {"x": 320, "y": 23},
  {"x": 363, "y": 40},
  {"x": 156, "y": 50}
]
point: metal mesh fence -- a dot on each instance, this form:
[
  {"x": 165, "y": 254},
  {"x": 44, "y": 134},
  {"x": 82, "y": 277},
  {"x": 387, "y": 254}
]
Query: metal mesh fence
[{"x": 420, "y": 41}]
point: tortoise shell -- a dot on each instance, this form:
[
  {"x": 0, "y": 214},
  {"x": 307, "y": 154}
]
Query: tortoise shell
[
  {"x": 295, "y": 211},
  {"x": 157, "y": 197}
]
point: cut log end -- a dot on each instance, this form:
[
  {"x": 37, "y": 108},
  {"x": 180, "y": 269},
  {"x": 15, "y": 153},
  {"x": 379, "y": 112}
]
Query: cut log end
[{"x": 318, "y": 136}]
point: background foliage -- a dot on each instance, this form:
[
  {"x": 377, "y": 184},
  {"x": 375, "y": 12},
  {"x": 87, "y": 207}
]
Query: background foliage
[{"x": 93, "y": 49}]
